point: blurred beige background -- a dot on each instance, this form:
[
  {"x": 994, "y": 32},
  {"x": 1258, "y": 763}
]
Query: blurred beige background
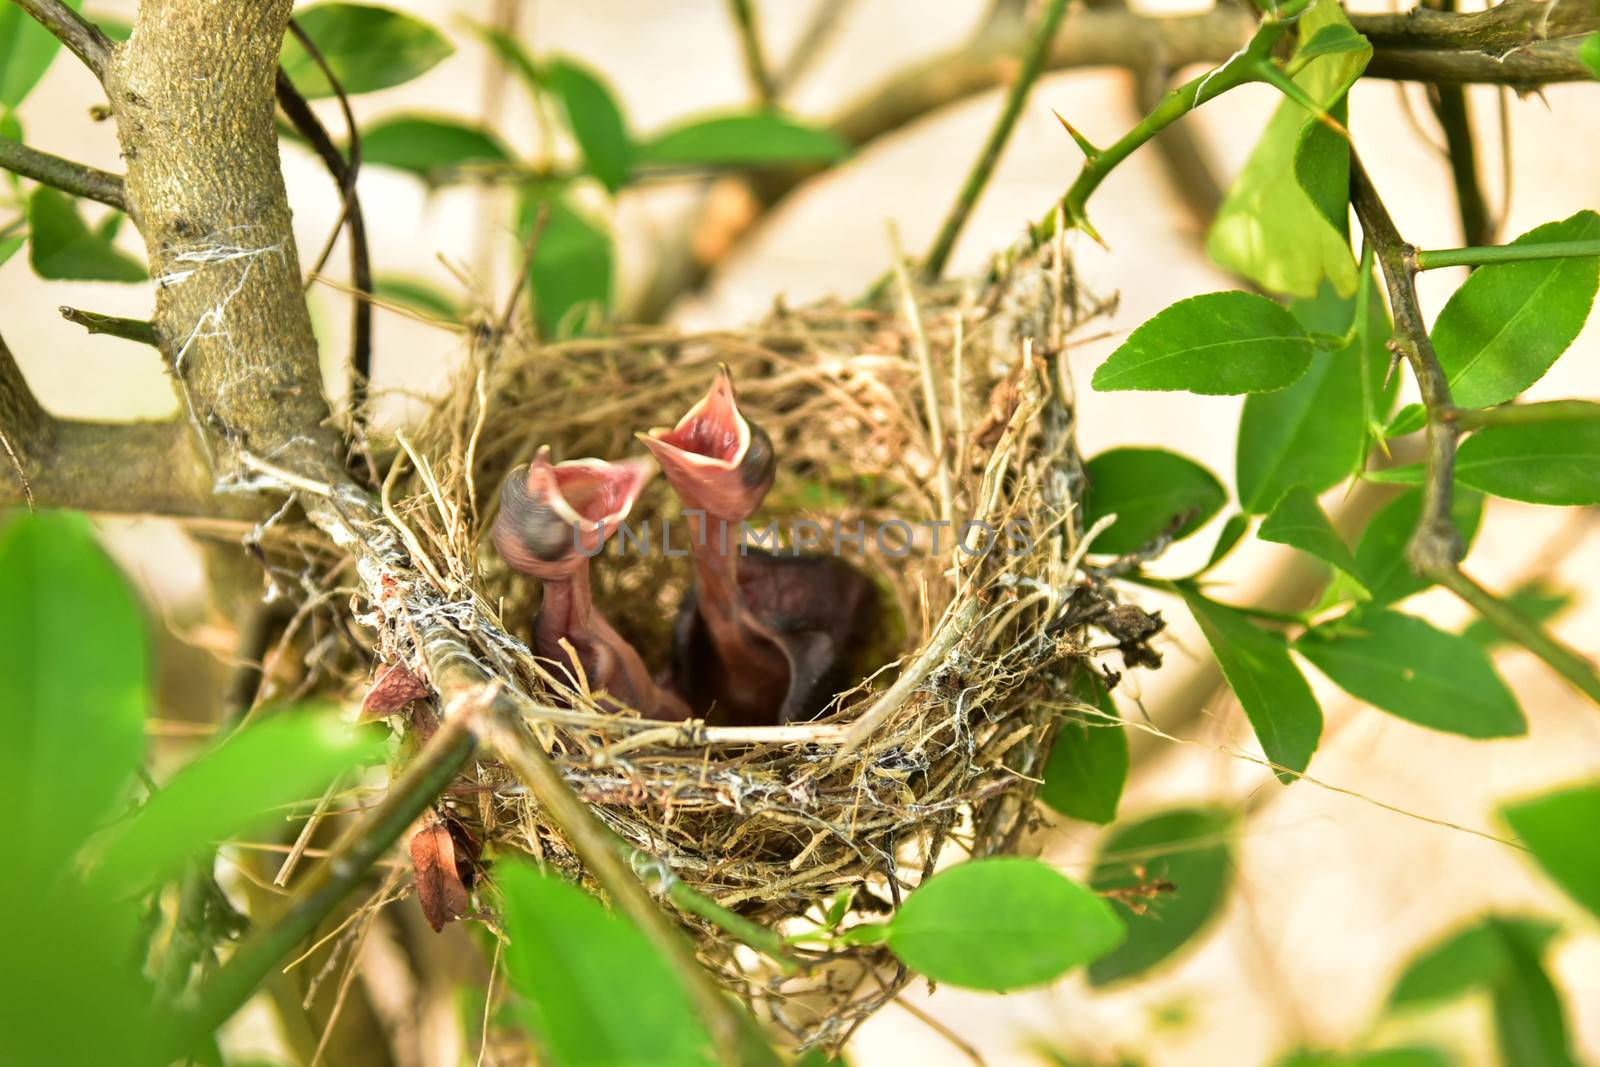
[{"x": 1338, "y": 884}]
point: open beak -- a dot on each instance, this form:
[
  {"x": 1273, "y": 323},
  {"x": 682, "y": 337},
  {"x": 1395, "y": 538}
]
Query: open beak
[
  {"x": 716, "y": 458},
  {"x": 550, "y": 512}
]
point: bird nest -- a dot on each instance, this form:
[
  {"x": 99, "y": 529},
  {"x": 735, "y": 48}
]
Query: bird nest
[{"x": 931, "y": 441}]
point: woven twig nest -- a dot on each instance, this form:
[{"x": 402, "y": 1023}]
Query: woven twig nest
[{"x": 943, "y": 743}]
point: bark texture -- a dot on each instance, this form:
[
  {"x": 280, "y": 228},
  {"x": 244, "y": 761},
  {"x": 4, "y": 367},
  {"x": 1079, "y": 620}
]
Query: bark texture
[{"x": 192, "y": 93}]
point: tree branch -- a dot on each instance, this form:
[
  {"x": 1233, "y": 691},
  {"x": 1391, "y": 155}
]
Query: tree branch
[
  {"x": 83, "y": 37},
  {"x": 1435, "y": 548},
  {"x": 136, "y": 468},
  {"x": 1501, "y": 30},
  {"x": 139, "y": 330},
  {"x": 1431, "y": 259},
  {"x": 1038, "y": 47},
  {"x": 192, "y": 94},
  {"x": 63, "y": 174}
]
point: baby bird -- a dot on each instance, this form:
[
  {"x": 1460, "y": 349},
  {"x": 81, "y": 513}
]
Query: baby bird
[
  {"x": 764, "y": 638},
  {"x": 553, "y": 519}
]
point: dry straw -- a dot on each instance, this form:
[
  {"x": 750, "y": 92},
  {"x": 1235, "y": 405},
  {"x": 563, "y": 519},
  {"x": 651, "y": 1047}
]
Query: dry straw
[{"x": 951, "y": 404}]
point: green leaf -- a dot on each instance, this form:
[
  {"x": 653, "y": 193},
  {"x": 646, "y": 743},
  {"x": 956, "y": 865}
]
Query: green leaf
[
  {"x": 1509, "y": 322},
  {"x": 63, "y": 247},
  {"x": 1331, "y": 39},
  {"x": 367, "y": 48},
  {"x": 26, "y": 49},
  {"x": 1001, "y": 924},
  {"x": 756, "y": 139},
  {"x": 434, "y": 149},
  {"x": 595, "y": 993},
  {"x": 1553, "y": 462},
  {"x": 1088, "y": 763},
  {"x": 1466, "y": 960},
  {"x": 1269, "y": 686},
  {"x": 1381, "y": 553},
  {"x": 1215, "y": 344},
  {"x": 1559, "y": 829},
  {"x": 595, "y": 120},
  {"x": 1152, "y": 493},
  {"x": 9, "y": 246},
  {"x": 1300, "y": 523},
  {"x": 236, "y": 788},
  {"x": 1535, "y": 599},
  {"x": 1529, "y": 1021},
  {"x": 1408, "y": 419},
  {"x": 1178, "y": 867},
  {"x": 74, "y": 685},
  {"x": 416, "y": 295},
  {"x": 1408, "y": 668},
  {"x": 1589, "y": 52},
  {"x": 512, "y": 53},
  {"x": 1314, "y": 432},
  {"x": 1270, "y": 228},
  {"x": 570, "y": 275}
]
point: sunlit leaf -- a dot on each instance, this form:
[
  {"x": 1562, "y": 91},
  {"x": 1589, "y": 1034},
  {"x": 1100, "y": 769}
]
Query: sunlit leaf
[
  {"x": 1469, "y": 959},
  {"x": 1169, "y": 874},
  {"x": 1559, "y": 829},
  {"x": 743, "y": 140},
  {"x": 571, "y": 271},
  {"x": 1270, "y": 688},
  {"x": 1330, "y": 39},
  {"x": 236, "y": 788},
  {"x": 1313, "y": 433},
  {"x": 595, "y": 120},
  {"x": 1530, "y": 1023},
  {"x": 26, "y": 49},
  {"x": 1088, "y": 763},
  {"x": 1553, "y": 462},
  {"x": 1589, "y": 52},
  {"x": 1408, "y": 668},
  {"x": 1509, "y": 322},
  {"x": 74, "y": 685},
  {"x": 1217, "y": 343},
  {"x": 1298, "y": 521},
  {"x": 1409, "y": 1056},
  {"x": 594, "y": 991},
  {"x": 1152, "y": 493},
  {"x": 367, "y": 48},
  {"x": 62, "y": 246},
  {"x": 1282, "y": 223},
  {"x": 1381, "y": 553},
  {"x": 1000, "y": 924},
  {"x": 434, "y": 149}
]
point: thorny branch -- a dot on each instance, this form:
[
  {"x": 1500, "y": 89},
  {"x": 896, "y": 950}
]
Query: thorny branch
[{"x": 1435, "y": 549}]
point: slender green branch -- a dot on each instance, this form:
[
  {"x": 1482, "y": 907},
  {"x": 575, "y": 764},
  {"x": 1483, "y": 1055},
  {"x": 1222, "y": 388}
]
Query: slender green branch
[
  {"x": 598, "y": 848},
  {"x": 755, "y": 60},
  {"x": 1251, "y": 63},
  {"x": 1432, "y": 259},
  {"x": 83, "y": 37},
  {"x": 1521, "y": 414},
  {"x": 352, "y": 857},
  {"x": 1038, "y": 47},
  {"x": 141, "y": 330},
  {"x": 1435, "y": 548},
  {"x": 1524, "y": 631},
  {"x": 692, "y": 902},
  {"x": 63, "y": 174}
]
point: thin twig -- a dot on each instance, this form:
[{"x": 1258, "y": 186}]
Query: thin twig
[
  {"x": 310, "y": 127},
  {"x": 1033, "y": 57},
  {"x": 140, "y": 330},
  {"x": 930, "y": 386},
  {"x": 755, "y": 60},
  {"x": 63, "y": 174},
  {"x": 82, "y": 37},
  {"x": 1432, "y": 259}
]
